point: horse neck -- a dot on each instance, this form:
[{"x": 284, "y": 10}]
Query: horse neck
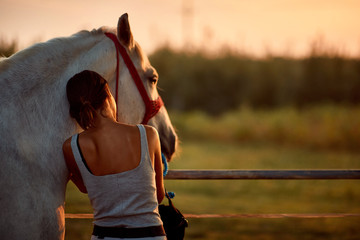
[{"x": 58, "y": 59}]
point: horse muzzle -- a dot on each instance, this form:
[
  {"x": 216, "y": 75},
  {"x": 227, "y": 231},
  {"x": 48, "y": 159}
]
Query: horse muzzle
[{"x": 168, "y": 141}]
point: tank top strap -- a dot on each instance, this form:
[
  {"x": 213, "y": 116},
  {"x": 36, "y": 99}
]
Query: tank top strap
[
  {"x": 80, "y": 162},
  {"x": 74, "y": 147},
  {"x": 145, "y": 155}
]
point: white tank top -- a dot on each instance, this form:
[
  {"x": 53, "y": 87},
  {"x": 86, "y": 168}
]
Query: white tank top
[{"x": 126, "y": 199}]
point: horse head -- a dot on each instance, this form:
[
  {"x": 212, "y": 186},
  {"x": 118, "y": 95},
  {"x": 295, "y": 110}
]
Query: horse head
[{"x": 131, "y": 105}]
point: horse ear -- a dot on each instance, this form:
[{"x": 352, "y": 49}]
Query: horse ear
[{"x": 124, "y": 31}]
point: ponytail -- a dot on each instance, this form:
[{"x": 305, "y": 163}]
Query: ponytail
[{"x": 87, "y": 115}]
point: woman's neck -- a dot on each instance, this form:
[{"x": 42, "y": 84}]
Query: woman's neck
[{"x": 104, "y": 118}]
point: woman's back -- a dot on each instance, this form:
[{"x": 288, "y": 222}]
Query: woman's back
[
  {"x": 122, "y": 199},
  {"x": 114, "y": 148}
]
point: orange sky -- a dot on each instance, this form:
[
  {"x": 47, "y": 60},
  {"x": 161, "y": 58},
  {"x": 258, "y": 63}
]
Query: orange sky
[{"x": 254, "y": 26}]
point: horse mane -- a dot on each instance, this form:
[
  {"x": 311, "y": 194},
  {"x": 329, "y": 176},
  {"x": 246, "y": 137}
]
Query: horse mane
[
  {"x": 43, "y": 63},
  {"x": 60, "y": 48}
]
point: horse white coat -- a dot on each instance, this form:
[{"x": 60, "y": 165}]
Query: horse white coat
[{"x": 34, "y": 122}]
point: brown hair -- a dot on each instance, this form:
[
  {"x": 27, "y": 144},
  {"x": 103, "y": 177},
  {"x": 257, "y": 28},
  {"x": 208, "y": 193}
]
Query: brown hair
[{"x": 86, "y": 92}]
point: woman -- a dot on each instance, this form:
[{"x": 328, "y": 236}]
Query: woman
[{"x": 118, "y": 165}]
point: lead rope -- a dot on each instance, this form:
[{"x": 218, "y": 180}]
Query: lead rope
[
  {"x": 165, "y": 171},
  {"x": 163, "y": 158}
]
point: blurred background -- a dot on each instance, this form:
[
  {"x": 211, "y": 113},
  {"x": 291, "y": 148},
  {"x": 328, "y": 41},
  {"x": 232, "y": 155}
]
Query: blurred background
[{"x": 249, "y": 85}]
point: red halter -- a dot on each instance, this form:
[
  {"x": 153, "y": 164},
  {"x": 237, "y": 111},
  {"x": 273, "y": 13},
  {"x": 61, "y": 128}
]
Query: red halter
[{"x": 151, "y": 107}]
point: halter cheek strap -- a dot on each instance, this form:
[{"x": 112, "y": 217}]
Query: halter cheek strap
[{"x": 152, "y": 107}]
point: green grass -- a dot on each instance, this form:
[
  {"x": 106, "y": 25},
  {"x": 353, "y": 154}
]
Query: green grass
[
  {"x": 270, "y": 229},
  {"x": 318, "y": 127},
  {"x": 205, "y": 146}
]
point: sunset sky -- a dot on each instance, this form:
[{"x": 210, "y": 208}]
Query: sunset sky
[{"x": 253, "y": 26}]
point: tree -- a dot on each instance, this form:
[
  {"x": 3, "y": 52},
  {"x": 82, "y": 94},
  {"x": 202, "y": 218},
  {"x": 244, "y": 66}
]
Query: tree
[{"x": 7, "y": 48}]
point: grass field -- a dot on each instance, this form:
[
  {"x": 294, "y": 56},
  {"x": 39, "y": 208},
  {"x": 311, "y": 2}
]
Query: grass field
[{"x": 253, "y": 196}]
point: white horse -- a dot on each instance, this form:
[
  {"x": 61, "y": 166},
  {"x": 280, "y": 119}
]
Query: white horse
[{"x": 34, "y": 122}]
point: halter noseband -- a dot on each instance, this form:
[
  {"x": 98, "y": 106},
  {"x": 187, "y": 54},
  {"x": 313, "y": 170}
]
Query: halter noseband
[{"x": 152, "y": 107}]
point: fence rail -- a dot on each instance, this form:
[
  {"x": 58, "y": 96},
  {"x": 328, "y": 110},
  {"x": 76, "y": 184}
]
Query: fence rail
[
  {"x": 244, "y": 215},
  {"x": 263, "y": 174}
]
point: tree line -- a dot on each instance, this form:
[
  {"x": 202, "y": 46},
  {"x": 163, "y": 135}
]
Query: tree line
[{"x": 196, "y": 81}]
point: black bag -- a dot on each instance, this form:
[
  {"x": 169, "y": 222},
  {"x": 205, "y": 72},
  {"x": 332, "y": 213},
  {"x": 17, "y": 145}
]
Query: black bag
[{"x": 174, "y": 222}]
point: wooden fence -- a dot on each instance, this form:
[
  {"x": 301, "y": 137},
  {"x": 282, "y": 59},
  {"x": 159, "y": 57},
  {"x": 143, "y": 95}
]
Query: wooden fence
[
  {"x": 257, "y": 175},
  {"x": 263, "y": 174}
]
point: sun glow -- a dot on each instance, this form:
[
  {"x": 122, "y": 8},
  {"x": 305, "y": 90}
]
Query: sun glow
[{"x": 257, "y": 27}]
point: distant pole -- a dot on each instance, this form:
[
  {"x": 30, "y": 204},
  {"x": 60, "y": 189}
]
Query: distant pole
[{"x": 187, "y": 23}]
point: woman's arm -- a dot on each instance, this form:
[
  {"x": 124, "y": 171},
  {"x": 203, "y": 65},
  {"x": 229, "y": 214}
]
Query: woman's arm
[
  {"x": 155, "y": 152},
  {"x": 74, "y": 174}
]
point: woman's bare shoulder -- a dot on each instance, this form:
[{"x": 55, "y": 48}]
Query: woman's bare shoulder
[
  {"x": 151, "y": 132},
  {"x": 67, "y": 145}
]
